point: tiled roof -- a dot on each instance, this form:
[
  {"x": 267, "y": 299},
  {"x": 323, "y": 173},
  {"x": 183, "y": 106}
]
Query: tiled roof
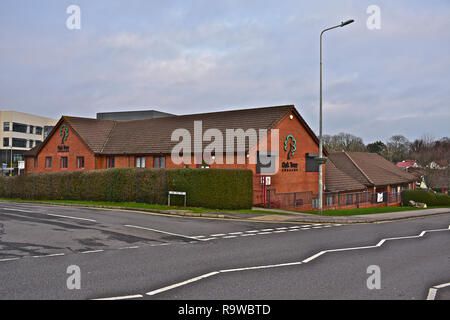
[
  {"x": 153, "y": 136},
  {"x": 370, "y": 169},
  {"x": 338, "y": 181}
]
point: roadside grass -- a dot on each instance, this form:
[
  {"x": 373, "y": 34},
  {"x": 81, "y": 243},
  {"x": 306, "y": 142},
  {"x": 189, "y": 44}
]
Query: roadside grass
[
  {"x": 363, "y": 211},
  {"x": 134, "y": 205}
]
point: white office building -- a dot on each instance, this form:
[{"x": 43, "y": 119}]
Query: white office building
[{"x": 20, "y": 132}]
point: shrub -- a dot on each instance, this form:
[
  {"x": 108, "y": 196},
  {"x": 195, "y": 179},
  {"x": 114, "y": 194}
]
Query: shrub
[
  {"x": 208, "y": 188},
  {"x": 430, "y": 198}
]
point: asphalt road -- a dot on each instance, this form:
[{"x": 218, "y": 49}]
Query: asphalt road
[{"x": 122, "y": 253}]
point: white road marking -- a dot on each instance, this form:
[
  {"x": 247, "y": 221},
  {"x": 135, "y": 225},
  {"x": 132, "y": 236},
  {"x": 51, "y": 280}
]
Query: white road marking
[
  {"x": 50, "y": 214},
  {"x": 20, "y": 210},
  {"x": 284, "y": 228},
  {"x": 433, "y": 291},
  {"x": 218, "y": 235},
  {"x": 209, "y": 239},
  {"x": 280, "y": 231},
  {"x": 165, "y": 232},
  {"x": 315, "y": 256},
  {"x": 152, "y": 293},
  {"x": 229, "y": 237},
  {"x": 262, "y": 267},
  {"x": 160, "y": 244},
  {"x": 248, "y": 235},
  {"x": 10, "y": 259},
  {"x": 252, "y": 231},
  {"x": 92, "y": 251},
  {"x": 69, "y": 217},
  {"x": 265, "y": 233},
  {"x": 50, "y": 255},
  {"x": 121, "y": 298},
  {"x": 234, "y": 233},
  {"x": 294, "y": 230},
  {"x": 265, "y": 230},
  {"x": 124, "y": 248}
]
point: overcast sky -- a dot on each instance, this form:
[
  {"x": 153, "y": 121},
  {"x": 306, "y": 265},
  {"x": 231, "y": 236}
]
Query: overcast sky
[{"x": 193, "y": 56}]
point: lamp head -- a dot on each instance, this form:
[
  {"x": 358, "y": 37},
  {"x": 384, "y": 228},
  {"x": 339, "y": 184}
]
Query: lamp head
[{"x": 347, "y": 22}]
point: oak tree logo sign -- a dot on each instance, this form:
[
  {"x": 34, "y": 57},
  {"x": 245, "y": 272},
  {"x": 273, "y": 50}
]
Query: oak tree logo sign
[
  {"x": 64, "y": 133},
  {"x": 292, "y": 145}
]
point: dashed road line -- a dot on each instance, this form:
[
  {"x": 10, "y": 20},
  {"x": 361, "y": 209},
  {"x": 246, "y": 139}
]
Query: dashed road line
[{"x": 231, "y": 235}]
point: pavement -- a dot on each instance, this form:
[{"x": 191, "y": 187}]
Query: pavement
[{"x": 135, "y": 255}]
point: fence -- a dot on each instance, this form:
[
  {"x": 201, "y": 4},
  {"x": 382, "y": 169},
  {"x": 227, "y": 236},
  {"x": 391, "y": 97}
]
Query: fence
[{"x": 307, "y": 200}]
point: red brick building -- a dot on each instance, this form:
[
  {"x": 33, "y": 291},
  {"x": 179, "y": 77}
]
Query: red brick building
[{"x": 93, "y": 144}]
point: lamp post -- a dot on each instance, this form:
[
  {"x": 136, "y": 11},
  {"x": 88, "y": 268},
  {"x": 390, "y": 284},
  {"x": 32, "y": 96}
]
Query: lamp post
[{"x": 321, "y": 160}]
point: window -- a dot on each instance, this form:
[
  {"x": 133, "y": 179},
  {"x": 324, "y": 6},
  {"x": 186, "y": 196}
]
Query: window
[
  {"x": 349, "y": 199},
  {"x": 80, "y": 162},
  {"x": 329, "y": 200},
  {"x": 20, "y": 127},
  {"x": 37, "y": 142},
  {"x": 35, "y": 162},
  {"x": 311, "y": 163},
  {"x": 140, "y": 162},
  {"x": 17, "y": 157},
  {"x": 31, "y": 129},
  {"x": 19, "y": 143},
  {"x": 6, "y": 142},
  {"x": 64, "y": 162},
  {"x": 47, "y": 130},
  {"x": 5, "y": 126},
  {"x": 110, "y": 162},
  {"x": 30, "y": 144},
  {"x": 159, "y": 162},
  {"x": 39, "y": 131},
  {"x": 48, "y": 162},
  {"x": 315, "y": 203}
]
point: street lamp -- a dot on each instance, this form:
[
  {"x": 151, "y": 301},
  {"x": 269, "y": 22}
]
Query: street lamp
[{"x": 321, "y": 160}]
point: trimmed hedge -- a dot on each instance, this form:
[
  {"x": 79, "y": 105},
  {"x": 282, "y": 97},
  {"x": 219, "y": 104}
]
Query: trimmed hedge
[
  {"x": 208, "y": 188},
  {"x": 430, "y": 198}
]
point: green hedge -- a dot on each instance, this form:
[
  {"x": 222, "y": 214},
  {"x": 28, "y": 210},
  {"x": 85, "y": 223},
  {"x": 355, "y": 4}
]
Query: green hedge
[
  {"x": 208, "y": 188},
  {"x": 430, "y": 198}
]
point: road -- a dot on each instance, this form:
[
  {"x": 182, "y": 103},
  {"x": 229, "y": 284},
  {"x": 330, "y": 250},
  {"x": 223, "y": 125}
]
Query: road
[{"x": 152, "y": 256}]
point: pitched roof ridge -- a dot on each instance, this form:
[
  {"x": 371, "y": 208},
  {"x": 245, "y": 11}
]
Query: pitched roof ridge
[
  {"x": 357, "y": 167},
  {"x": 109, "y": 136},
  {"x": 290, "y": 106}
]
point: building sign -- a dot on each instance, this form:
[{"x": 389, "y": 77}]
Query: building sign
[
  {"x": 21, "y": 164},
  {"x": 380, "y": 197},
  {"x": 64, "y": 134},
  {"x": 290, "y": 146}
]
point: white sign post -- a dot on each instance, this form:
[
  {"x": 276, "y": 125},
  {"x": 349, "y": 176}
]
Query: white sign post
[{"x": 20, "y": 165}]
